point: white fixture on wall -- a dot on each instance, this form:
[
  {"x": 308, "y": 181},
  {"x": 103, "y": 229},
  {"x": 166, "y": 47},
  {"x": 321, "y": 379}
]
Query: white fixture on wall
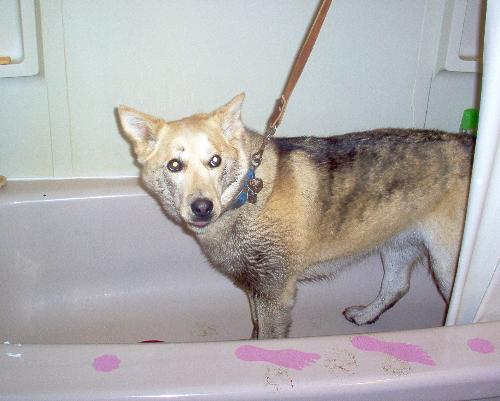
[
  {"x": 18, "y": 42},
  {"x": 480, "y": 254},
  {"x": 461, "y": 36}
]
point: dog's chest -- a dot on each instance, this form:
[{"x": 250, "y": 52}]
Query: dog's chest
[{"x": 251, "y": 261}]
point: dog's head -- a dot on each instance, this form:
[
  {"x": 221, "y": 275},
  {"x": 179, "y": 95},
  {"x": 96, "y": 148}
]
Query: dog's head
[{"x": 195, "y": 165}]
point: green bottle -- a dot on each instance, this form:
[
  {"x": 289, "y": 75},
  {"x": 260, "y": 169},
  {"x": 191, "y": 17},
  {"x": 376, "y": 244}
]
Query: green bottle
[{"x": 470, "y": 120}]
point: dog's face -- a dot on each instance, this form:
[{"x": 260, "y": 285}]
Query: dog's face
[{"x": 194, "y": 165}]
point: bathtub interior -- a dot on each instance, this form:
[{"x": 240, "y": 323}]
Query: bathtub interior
[{"x": 96, "y": 261}]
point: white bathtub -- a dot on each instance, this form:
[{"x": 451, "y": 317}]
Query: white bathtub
[{"x": 91, "y": 267}]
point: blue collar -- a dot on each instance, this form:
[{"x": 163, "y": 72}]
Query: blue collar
[{"x": 242, "y": 197}]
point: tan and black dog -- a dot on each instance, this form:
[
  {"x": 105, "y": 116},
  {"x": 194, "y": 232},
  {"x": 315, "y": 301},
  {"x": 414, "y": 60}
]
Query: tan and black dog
[{"x": 325, "y": 203}]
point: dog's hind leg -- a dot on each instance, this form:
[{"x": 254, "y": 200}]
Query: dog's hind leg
[
  {"x": 443, "y": 261},
  {"x": 398, "y": 260},
  {"x": 442, "y": 235},
  {"x": 443, "y": 243}
]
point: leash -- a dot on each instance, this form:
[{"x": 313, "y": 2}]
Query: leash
[{"x": 252, "y": 185}]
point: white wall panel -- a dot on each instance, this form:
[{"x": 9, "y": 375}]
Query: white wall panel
[
  {"x": 372, "y": 67},
  {"x": 175, "y": 58},
  {"x": 25, "y": 147}
]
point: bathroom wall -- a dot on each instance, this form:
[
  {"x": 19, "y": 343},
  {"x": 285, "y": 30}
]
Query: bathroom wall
[{"x": 374, "y": 65}]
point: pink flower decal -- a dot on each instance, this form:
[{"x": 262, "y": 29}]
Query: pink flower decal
[
  {"x": 481, "y": 345},
  {"x": 287, "y": 358},
  {"x": 401, "y": 351},
  {"x": 106, "y": 363}
]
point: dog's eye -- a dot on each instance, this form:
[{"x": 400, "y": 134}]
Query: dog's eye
[
  {"x": 174, "y": 165},
  {"x": 215, "y": 161}
]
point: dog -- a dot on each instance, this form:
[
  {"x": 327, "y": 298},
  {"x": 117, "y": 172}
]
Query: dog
[{"x": 325, "y": 202}]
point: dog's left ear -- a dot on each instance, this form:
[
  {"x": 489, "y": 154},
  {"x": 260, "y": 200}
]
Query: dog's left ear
[{"x": 230, "y": 116}]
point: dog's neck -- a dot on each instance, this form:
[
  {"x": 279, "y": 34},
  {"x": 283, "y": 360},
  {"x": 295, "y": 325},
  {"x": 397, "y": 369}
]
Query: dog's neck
[
  {"x": 266, "y": 171},
  {"x": 240, "y": 210},
  {"x": 245, "y": 192}
]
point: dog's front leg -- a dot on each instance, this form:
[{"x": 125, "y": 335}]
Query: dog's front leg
[
  {"x": 273, "y": 318},
  {"x": 253, "y": 314},
  {"x": 272, "y": 314}
]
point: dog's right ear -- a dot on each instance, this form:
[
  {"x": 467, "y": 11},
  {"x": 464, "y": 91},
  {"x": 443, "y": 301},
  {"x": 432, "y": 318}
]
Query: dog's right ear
[{"x": 141, "y": 130}]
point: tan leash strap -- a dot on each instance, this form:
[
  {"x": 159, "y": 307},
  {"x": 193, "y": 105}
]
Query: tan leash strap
[
  {"x": 297, "y": 68},
  {"x": 252, "y": 185},
  {"x": 299, "y": 64}
]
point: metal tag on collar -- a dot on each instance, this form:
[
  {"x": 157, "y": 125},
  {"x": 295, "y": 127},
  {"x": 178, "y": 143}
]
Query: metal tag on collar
[
  {"x": 252, "y": 197},
  {"x": 255, "y": 184}
]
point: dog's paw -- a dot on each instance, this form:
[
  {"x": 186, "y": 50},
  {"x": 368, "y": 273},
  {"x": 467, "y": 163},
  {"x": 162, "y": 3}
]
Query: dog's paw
[{"x": 359, "y": 315}]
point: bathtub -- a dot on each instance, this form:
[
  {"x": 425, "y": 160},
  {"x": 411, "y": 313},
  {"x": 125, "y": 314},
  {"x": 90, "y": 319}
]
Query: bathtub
[{"x": 91, "y": 268}]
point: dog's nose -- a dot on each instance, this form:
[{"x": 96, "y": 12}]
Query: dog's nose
[{"x": 202, "y": 207}]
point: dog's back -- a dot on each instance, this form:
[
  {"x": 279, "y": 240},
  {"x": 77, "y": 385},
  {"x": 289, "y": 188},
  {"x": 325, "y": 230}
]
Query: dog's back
[{"x": 356, "y": 191}]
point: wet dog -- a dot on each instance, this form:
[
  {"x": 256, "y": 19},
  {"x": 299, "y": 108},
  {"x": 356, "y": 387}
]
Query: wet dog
[{"x": 325, "y": 202}]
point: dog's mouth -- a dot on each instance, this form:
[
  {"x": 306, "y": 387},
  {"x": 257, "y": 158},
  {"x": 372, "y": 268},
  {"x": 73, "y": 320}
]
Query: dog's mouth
[{"x": 199, "y": 223}]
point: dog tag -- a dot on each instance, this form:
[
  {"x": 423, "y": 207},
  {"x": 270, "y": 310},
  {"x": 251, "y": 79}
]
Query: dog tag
[
  {"x": 252, "y": 197},
  {"x": 255, "y": 184}
]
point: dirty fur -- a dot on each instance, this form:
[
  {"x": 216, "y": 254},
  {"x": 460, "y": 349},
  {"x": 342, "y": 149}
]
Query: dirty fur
[{"x": 325, "y": 202}]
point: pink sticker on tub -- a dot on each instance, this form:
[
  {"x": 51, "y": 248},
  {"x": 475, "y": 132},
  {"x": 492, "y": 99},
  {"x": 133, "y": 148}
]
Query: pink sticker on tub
[
  {"x": 287, "y": 358},
  {"x": 106, "y": 363},
  {"x": 481, "y": 345},
  {"x": 402, "y": 351}
]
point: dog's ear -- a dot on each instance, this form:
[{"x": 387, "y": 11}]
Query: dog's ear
[
  {"x": 230, "y": 116},
  {"x": 141, "y": 130}
]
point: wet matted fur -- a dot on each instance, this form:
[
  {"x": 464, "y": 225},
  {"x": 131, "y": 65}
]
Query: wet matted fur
[{"x": 325, "y": 202}]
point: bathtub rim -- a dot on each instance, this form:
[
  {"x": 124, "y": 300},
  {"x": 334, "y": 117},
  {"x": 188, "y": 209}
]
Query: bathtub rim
[
  {"x": 28, "y": 190},
  {"x": 186, "y": 370}
]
